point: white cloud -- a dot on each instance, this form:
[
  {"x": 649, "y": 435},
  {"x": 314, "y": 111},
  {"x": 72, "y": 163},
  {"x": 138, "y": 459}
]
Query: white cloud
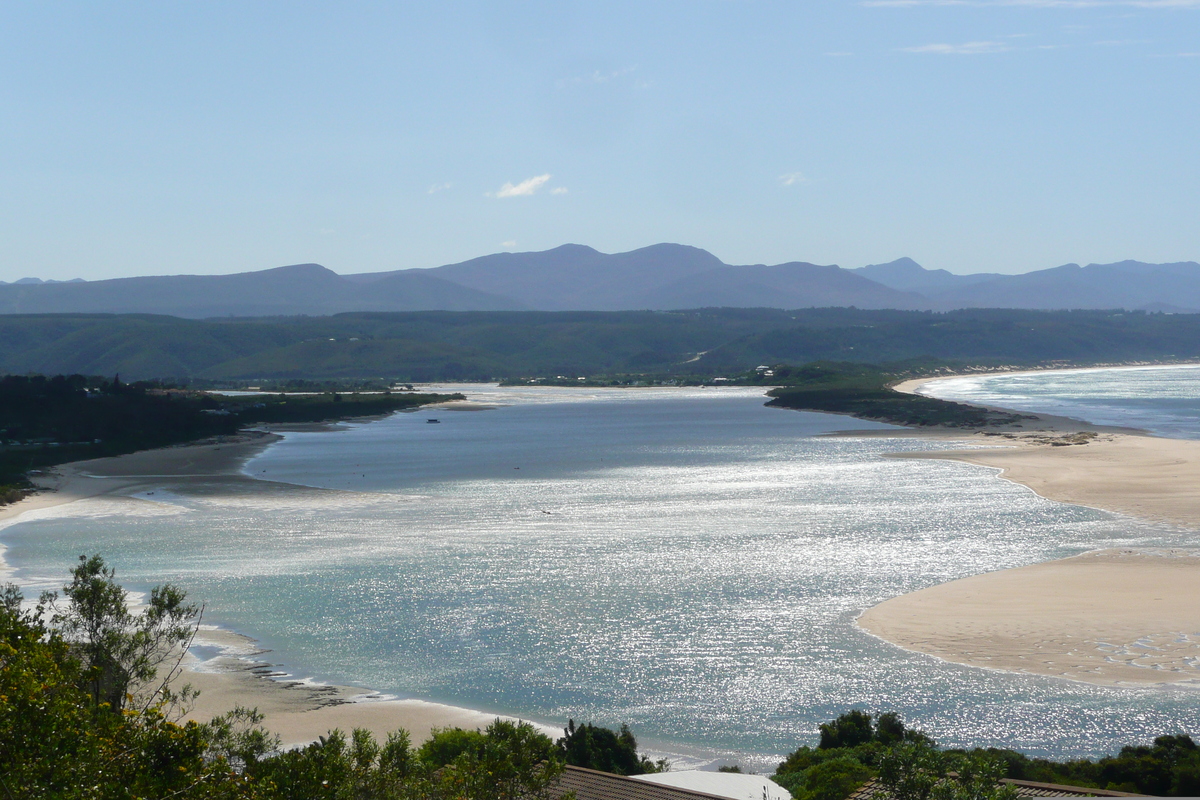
[
  {"x": 965, "y": 49},
  {"x": 439, "y": 187},
  {"x": 559, "y": 190},
  {"x": 510, "y": 244},
  {"x": 596, "y": 77},
  {"x": 522, "y": 189},
  {"x": 792, "y": 178}
]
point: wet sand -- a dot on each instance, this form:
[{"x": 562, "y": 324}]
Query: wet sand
[
  {"x": 1118, "y": 617},
  {"x": 1111, "y": 617}
]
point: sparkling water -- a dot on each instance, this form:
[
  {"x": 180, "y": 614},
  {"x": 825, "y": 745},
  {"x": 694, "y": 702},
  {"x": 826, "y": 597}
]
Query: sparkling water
[
  {"x": 688, "y": 562},
  {"x": 1162, "y": 399}
]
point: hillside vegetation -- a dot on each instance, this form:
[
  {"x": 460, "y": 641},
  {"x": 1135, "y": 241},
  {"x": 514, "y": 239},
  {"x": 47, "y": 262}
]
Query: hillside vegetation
[
  {"x": 46, "y": 421},
  {"x": 442, "y": 345}
]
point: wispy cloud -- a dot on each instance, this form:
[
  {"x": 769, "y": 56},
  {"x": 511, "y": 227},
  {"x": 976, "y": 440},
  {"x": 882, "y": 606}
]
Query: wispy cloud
[
  {"x": 596, "y": 77},
  {"x": 440, "y": 187},
  {"x": 522, "y": 189},
  {"x": 964, "y": 49},
  {"x": 792, "y": 178},
  {"x": 510, "y": 244},
  {"x": 559, "y": 190}
]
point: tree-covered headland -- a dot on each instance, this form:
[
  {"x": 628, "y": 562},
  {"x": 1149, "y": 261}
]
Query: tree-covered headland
[{"x": 53, "y": 420}]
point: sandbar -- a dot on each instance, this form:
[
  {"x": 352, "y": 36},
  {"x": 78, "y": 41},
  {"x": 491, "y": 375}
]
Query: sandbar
[
  {"x": 1109, "y": 617},
  {"x": 1112, "y": 617}
]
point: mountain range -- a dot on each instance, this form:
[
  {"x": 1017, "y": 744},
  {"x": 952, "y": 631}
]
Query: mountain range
[{"x": 578, "y": 278}]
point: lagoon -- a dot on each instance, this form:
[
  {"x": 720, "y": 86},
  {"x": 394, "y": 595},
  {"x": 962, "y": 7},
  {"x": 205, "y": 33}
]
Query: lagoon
[{"x": 685, "y": 561}]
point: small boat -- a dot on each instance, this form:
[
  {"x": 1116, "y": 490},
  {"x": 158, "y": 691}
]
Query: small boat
[{"x": 432, "y": 420}]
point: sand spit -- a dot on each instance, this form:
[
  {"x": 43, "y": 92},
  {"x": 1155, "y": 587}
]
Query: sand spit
[
  {"x": 1141, "y": 476},
  {"x": 1111, "y": 617},
  {"x": 1116, "y": 617}
]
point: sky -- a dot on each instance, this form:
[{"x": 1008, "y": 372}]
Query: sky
[{"x": 971, "y": 135}]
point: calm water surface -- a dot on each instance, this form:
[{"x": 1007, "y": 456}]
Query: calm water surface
[{"x": 684, "y": 561}]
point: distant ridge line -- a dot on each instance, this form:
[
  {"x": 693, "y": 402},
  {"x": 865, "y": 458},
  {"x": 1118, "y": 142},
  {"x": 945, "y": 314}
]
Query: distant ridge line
[{"x": 574, "y": 277}]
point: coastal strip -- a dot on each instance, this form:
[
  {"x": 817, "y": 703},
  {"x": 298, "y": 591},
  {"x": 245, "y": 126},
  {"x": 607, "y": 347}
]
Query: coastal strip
[
  {"x": 238, "y": 672},
  {"x": 1112, "y": 617}
]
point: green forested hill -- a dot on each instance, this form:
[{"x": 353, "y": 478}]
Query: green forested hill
[
  {"x": 987, "y": 336},
  {"x": 407, "y": 346},
  {"x": 435, "y": 345}
]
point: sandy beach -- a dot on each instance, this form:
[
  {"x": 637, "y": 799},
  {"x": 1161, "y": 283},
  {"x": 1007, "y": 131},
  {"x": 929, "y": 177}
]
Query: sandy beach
[
  {"x": 1110, "y": 617},
  {"x": 1114, "y": 617},
  {"x": 236, "y": 670}
]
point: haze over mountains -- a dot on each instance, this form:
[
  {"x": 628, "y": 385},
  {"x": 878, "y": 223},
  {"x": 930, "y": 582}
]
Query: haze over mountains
[{"x": 578, "y": 278}]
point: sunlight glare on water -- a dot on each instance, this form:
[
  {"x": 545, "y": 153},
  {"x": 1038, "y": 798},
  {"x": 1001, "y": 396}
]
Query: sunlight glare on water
[{"x": 687, "y": 562}]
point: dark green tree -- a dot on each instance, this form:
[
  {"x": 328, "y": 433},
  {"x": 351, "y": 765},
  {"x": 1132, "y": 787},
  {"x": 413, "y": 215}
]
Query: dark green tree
[
  {"x": 606, "y": 750},
  {"x": 849, "y": 730},
  {"x": 919, "y": 771},
  {"x": 508, "y": 761},
  {"x": 120, "y": 652}
]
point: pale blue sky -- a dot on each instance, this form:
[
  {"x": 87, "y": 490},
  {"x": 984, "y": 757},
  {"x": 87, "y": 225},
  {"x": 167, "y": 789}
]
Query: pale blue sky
[{"x": 971, "y": 135}]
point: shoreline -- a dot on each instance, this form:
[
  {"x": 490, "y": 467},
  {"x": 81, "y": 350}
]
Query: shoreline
[
  {"x": 236, "y": 671},
  {"x": 1124, "y": 617},
  {"x": 909, "y": 386},
  {"x": 301, "y": 710}
]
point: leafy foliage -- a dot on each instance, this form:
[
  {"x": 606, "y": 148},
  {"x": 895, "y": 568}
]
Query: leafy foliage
[
  {"x": 857, "y": 747},
  {"x": 120, "y": 653},
  {"x": 918, "y": 771},
  {"x": 606, "y": 750},
  {"x": 56, "y": 742}
]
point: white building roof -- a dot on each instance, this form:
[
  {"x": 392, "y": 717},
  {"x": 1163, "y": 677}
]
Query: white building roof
[{"x": 721, "y": 784}]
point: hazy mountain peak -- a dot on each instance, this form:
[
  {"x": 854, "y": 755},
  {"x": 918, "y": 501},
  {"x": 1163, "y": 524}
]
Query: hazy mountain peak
[
  {"x": 909, "y": 276},
  {"x": 575, "y": 277},
  {"x": 298, "y": 270},
  {"x": 569, "y": 249},
  {"x": 901, "y": 266}
]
